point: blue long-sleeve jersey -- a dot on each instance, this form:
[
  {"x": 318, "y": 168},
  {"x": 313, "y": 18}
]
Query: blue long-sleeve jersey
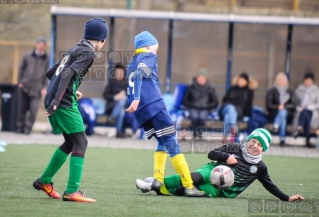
[{"x": 143, "y": 84}]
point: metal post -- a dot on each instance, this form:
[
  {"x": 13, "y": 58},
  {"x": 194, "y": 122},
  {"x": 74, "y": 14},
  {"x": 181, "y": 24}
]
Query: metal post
[
  {"x": 288, "y": 50},
  {"x": 111, "y": 45},
  {"x": 15, "y": 64},
  {"x": 233, "y": 3},
  {"x": 53, "y": 41},
  {"x": 128, "y": 4},
  {"x": 296, "y": 5},
  {"x": 169, "y": 57},
  {"x": 229, "y": 55}
]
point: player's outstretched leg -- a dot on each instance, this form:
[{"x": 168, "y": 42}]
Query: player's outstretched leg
[
  {"x": 152, "y": 184},
  {"x": 72, "y": 192},
  {"x": 44, "y": 183},
  {"x": 181, "y": 167}
]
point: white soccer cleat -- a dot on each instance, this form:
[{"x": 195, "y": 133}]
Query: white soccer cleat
[
  {"x": 143, "y": 186},
  {"x": 149, "y": 179}
]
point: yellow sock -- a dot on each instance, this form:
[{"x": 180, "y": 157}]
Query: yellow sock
[
  {"x": 159, "y": 165},
  {"x": 182, "y": 169}
]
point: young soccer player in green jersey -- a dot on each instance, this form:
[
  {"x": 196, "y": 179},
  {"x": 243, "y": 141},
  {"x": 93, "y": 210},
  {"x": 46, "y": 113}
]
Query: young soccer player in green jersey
[
  {"x": 246, "y": 162},
  {"x": 64, "y": 116}
]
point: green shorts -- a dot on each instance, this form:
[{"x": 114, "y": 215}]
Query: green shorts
[
  {"x": 205, "y": 171},
  {"x": 66, "y": 120}
]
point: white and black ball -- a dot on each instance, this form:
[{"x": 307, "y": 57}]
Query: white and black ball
[{"x": 222, "y": 177}]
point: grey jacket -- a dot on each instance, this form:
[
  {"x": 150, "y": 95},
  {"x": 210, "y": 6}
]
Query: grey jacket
[
  {"x": 32, "y": 73},
  {"x": 313, "y": 104}
]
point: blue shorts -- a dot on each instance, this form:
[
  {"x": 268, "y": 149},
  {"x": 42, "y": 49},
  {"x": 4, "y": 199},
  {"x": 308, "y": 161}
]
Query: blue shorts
[{"x": 160, "y": 125}]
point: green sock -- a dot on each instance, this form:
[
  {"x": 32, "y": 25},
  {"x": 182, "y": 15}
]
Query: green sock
[
  {"x": 172, "y": 181},
  {"x": 57, "y": 160},
  {"x": 75, "y": 175}
]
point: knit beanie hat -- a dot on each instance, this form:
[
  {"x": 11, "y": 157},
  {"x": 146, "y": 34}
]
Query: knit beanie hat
[
  {"x": 144, "y": 39},
  {"x": 96, "y": 29},
  {"x": 309, "y": 75},
  {"x": 41, "y": 39},
  {"x": 245, "y": 76},
  {"x": 202, "y": 71},
  {"x": 263, "y": 136}
]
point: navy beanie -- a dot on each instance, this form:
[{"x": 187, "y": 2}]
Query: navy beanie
[
  {"x": 309, "y": 75},
  {"x": 96, "y": 29},
  {"x": 245, "y": 76},
  {"x": 144, "y": 39}
]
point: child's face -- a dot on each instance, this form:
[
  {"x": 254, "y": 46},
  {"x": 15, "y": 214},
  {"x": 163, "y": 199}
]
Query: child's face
[
  {"x": 308, "y": 82},
  {"x": 99, "y": 45},
  {"x": 201, "y": 80},
  {"x": 153, "y": 48},
  {"x": 254, "y": 147},
  {"x": 241, "y": 82}
]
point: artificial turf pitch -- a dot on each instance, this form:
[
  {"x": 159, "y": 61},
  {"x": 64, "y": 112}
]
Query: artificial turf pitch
[{"x": 109, "y": 176}]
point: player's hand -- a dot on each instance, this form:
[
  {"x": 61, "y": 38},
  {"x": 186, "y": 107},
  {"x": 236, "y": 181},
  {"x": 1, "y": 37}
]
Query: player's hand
[
  {"x": 133, "y": 106},
  {"x": 20, "y": 85},
  {"x": 231, "y": 160},
  {"x": 281, "y": 107},
  {"x": 296, "y": 197},
  {"x": 43, "y": 92},
  {"x": 78, "y": 95},
  {"x": 52, "y": 108}
]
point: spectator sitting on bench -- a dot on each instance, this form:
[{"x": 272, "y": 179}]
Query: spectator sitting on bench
[
  {"x": 280, "y": 105},
  {"x": 307, "y": 110},
  {"x": 115, "y": 96},
  {"x": 237, "y": 103},
  {"x": 199, "y": 99}
]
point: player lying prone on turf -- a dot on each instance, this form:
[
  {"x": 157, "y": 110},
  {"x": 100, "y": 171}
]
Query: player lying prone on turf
[{"x": 245, "y": 160}]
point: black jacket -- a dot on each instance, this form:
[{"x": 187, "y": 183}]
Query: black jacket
[
  {"x": 66, "y": 76},
  {"x": 112, "y": 88},
  {"x": 241, "y": 98},
  {"x": 200, "y": 96},
  {"x": 272, "y": 103}
]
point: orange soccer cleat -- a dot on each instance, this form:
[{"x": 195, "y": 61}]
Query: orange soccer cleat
[
  {"x": 47, "y": 188},
  {"x": 77, "y": 196}
]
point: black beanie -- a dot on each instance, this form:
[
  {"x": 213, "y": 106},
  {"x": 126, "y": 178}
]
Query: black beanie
[
  {"x": 309, "y": 75},
  {"x": 96, "y": 29},
  {"x": 245, "y": 76}
]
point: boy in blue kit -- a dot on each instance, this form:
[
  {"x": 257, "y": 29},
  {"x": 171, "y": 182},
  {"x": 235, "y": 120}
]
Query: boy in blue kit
[{"x": 146, "y": 102}]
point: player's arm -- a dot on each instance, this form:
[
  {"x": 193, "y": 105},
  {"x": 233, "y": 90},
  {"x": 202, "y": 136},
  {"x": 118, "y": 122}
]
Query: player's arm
[
  {"x": 66, "y": 77},
  {"x": 52, "y": 70},
  {"x": 144, "y": 70},
  {"x": 79, "y": 67},
  {"x": 224, "y": 153},
  {"x": 274, "y": 190}
]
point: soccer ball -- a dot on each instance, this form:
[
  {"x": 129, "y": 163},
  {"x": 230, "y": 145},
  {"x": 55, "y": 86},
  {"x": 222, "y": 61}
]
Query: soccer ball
[{"x": 222, "y": 177}]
